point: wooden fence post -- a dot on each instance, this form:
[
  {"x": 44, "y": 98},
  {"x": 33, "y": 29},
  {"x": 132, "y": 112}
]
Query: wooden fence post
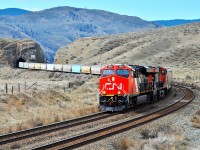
[
  {"x": 6, "y": 88},
  {"x": 25, "y": 86},
  {"x": 18, "y": 87},
  {"x": 12, "y": 90},
  {"x": 64, "y": 89}
]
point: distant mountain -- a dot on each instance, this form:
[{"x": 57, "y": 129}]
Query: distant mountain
[
  {"x": 13, "y": 12},
  {"x": 169, "y": 23},
  {"x": 56, "y": 27}
]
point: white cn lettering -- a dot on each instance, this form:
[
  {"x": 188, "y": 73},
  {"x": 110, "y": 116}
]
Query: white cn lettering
[{"x": 111, "y": 86}]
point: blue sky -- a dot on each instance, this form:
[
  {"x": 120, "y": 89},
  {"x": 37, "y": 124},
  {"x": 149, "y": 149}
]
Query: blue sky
[{"x": 145, "y": 9}]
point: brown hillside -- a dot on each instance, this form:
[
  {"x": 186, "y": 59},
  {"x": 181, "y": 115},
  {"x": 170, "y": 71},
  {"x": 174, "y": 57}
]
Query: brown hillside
[{"x": 177, "y": 47}]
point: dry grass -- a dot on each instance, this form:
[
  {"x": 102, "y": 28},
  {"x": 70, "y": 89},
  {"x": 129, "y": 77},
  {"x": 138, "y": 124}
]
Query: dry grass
[
  {"x": 9, "y": 106},
  {"x": 47, "y": 118},
  {"x": 19, "y": 104},
  {"x": 126, "y": 143},
  {"x": 15, "y": 146},
  {"x": 196, "y": 120},
  {"x": 145, "y": 134},
  {"x": 163, "y": 137},
  {"x": 37, "y": 108}
]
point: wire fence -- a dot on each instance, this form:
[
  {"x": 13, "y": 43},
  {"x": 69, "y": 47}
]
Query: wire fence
[{"x": 27, "y": 87}]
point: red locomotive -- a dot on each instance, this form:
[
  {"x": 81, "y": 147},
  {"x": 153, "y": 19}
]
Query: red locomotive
[{"x": 121, "y": 85}]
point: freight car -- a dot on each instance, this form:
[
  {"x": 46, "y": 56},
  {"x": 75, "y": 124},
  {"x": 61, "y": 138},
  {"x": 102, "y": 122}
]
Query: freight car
[
  {"x": 121, "y": 85},
  {"x": 69, "y": 68}
]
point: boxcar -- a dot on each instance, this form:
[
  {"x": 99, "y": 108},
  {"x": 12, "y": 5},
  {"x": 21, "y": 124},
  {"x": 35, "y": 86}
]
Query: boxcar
[
  {"x": 50, "y": 67},
  {"x": 26, "y": 65},
  {"x": 96, "y": 70},
  {"x": 76, "y": 68},
  {"x": 43, "y": 66},
  {"x": 86, "y": 69},
  {"x": 21, "y": 64},
  {"x": 37, "y": 66},
  {"x": 31, "y": 66},
  {"x": 67, "y": 68},
  {"x": 58, "y": 67}
]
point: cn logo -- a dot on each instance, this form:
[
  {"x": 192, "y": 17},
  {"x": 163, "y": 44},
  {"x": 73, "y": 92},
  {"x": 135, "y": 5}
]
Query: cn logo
[{"x": 111, "y": 86}]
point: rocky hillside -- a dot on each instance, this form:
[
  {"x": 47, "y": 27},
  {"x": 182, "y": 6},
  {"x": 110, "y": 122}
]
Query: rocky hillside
[
  {"x": 13, "y": 51},
  {"x": 177, "y": 47},
  {"x": 56, "y": 27}
]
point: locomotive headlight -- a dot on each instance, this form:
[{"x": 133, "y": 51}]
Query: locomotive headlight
[
  {"x": 104, "y": 92},
  {"x": 113, "y": 78},
  {"x": 119, "y": 92}
]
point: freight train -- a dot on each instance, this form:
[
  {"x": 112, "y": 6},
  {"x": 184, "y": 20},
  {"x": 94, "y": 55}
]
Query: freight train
[
  {"x": 69, "y": 68},
  {"x": 121, "y": 85}
]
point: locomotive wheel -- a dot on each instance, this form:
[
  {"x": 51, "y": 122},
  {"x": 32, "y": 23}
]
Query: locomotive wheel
[
  {"x": 166, "y": 91},
  {"x": 150, "y": 97},
  {"x": 158, "y": 95},
  {"x": 135, "y": 101}
]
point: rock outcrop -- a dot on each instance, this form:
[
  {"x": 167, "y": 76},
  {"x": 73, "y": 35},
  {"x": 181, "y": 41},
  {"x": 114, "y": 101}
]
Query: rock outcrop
[{"x": 14, "y": 51}]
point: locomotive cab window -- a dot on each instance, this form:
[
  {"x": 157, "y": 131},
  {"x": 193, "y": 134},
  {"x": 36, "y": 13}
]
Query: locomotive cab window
[
  {"x": 123, "y": 73},
  {"x": 107, "y": 72}
]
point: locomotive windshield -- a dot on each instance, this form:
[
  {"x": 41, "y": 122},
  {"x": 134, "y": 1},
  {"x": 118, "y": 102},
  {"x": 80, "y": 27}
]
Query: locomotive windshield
[
  {"x": 120, "y": 72},
  {"x": 108, "y": 72},
  {"x": 123, "y": 73}
]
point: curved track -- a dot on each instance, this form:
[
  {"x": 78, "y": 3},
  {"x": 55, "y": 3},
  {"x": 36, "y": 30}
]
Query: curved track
[
  {"x": 90, "y": 137},
  {"x": 27, "y": 135},
  {"x": 21, "y": 135}
]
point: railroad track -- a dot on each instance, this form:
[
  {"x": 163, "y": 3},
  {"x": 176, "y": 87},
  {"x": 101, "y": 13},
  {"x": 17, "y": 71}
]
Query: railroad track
[
  {"x": 93, "y": 136},
  {"x": 27, "y": 135},
  {"x": 7, "y": 140},
  {"x": 21, "y": 135},
  {"x": 16, "y": 137}
]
